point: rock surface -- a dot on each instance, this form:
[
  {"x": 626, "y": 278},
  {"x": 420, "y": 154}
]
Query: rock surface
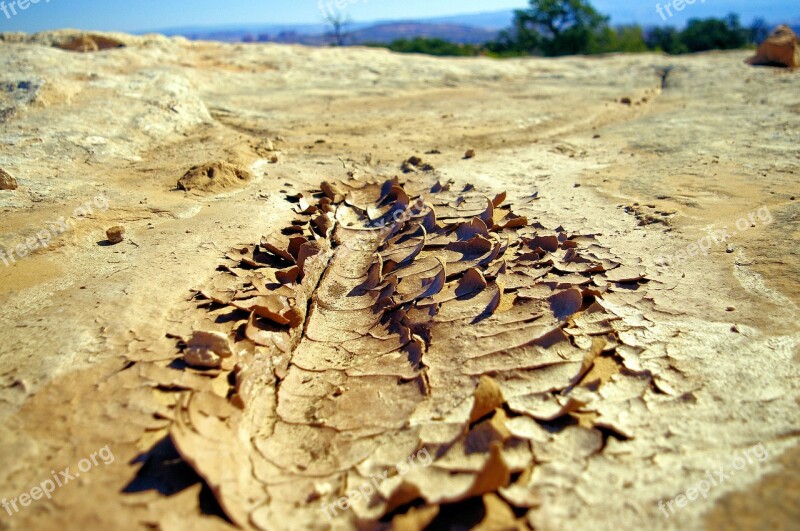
[
  {"x": 707, "y": 145},
  {"x": 782, "y": 48},
  {"x": 7, "y": 182}
]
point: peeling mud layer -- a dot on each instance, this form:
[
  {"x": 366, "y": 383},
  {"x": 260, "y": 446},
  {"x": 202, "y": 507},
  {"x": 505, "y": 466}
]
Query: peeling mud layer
[
  {"x": 398, "y": 318},
  {"x": 337, "y": 320}
]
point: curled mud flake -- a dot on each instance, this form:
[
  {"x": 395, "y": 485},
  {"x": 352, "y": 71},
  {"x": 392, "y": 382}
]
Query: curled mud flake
[
  {"x": 511, "y": 221},
  {"x": 474, "y": 247},
  {"x": 304, "y": 208},
  {"x": 625, "y": 274},
  {"x": 495, "y": 474},
  {"x": 416, "y": 518},
  {"x": 280, "y": 310},
  {"x": 476, "y": 228},
  {"x": 264, "y": 332},
  {"x": 309, "y": 251},
  {"x": 488, "y": 215},
  {"x": 547, "y": 243},
  {"x": 207, "y": 349},
  {"x": 488, "y": 397},
  {"x": 288, "y": 276},
  {"x": 473, "y": 281},
  {"x": 295, "y": 243},
  {"x": 566, "y": 303},
  {"x": 323, "y": 224},
  {"x": 544, "y": 406},
  {"x": 332, "y": 192},
  {"x": 278, "y": 245},
  {"x": 374, "y": 276}
]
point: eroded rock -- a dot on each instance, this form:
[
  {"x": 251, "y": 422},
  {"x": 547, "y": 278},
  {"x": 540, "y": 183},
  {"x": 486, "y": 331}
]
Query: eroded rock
[
  {"x": 7, "y": 182},
  {"x": 780, "y": 49}
]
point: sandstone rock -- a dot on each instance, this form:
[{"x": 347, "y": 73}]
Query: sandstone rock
[
  {"x": 115, "y": 234},
  {"x": 7, "y": 182},
  {"x": 90, "y": 43},
  {"x": 780, "y": 49},
  {"x": 214, "y": 177}
]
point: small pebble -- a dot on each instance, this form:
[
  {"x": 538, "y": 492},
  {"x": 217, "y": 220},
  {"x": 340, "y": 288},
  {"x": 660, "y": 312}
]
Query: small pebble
[
  {"x": 730, "y": 309},
  {"x": 470, "y": 154},
  {"x": 115, "y": 234}
]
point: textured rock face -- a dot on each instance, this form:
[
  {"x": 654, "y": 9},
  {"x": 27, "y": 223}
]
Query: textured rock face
[
  {"x": 7, "y": 182},
  {"x": 564, "y": 330},
  {"x": 781, "y": 48}
]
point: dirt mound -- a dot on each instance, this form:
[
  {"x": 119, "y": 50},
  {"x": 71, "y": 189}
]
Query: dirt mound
[
  {"x": 214, "y": 177},
  {"x": 780, "y": 49},
  {"x": 90, "y": 43}
]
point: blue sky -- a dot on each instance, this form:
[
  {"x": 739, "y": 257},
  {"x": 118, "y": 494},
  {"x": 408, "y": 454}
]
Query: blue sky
[
  {"x": 138, "y": 15},
  {"x": 142, "y": 15}
]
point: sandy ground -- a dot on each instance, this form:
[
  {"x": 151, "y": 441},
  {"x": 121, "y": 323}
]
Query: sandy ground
[{"x": 650, "y": 151}]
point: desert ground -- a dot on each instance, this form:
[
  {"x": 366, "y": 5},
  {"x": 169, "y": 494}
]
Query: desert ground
[{"x": 680, "y": 358}]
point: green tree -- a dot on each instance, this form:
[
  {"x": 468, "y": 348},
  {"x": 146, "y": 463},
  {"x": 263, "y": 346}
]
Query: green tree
[
  {"x": 666, "y": 39},
  {"x": 432, "y": 47},
  {"x": 519, "y": 39},
  {"x": 625, "y": 39},
  {"x": 714, "y": 34},
  {"x": 553, "y": 28}
]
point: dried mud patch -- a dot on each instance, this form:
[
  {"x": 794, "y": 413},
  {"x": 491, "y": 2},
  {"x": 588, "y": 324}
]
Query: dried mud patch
[{"x": 406, "y": 353}]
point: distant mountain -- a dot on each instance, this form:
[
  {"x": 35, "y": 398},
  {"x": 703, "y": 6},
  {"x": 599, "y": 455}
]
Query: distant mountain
[
  {"x": 410, "y": 30},
  {"x": 465, "y": 29},
  {"x": 495, "y": 20},
  {"x": 357, "y": 33},
  {"x": 243, "y": 32},
  {"x": 481, "y": 27}
]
